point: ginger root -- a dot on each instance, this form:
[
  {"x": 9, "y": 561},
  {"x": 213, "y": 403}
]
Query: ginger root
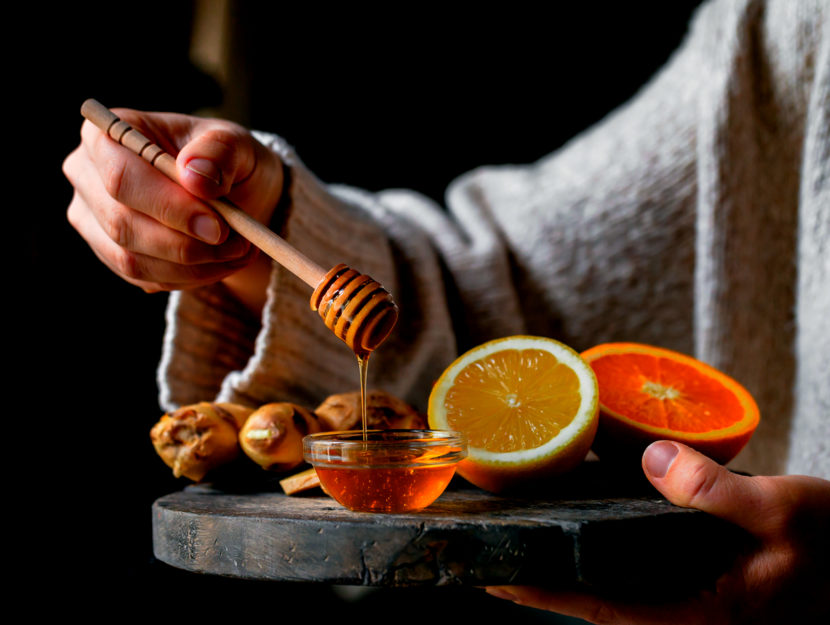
[
  {"x": 198, "y": 438},
  {"x": 195, "y": 439},
  {"x": 273, "y": 435},
  {"x": 383, "y": 412}
]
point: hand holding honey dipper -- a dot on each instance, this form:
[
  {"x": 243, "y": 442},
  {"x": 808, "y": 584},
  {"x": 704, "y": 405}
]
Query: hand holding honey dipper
[
  {"x": 162, "y": 236},
  {"x": 148, "y": 243}
]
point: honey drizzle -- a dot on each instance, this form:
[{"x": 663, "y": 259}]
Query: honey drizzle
[{"x": 363, "y": 366}]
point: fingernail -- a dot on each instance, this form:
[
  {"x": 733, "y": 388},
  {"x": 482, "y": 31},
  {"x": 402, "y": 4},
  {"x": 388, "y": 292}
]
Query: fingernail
[
  {"x": 500, "y": 593},
  {"x": 206, "y": 228},
  {"x": 206, "y": 169},
  {"x": 658, "y": 458}
]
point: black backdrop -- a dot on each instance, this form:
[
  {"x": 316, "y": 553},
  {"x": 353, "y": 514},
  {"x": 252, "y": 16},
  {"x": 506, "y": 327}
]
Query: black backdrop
[{"x": 409, "y": 97}]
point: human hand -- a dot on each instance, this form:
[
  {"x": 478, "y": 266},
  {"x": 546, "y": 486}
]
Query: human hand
[
  {"x": 151, "y": 231},
  {"x": 783, "y": 578}
]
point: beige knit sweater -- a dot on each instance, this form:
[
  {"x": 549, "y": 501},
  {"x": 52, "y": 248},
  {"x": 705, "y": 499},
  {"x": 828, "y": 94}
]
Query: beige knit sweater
[{"x": 697, "y": 217}]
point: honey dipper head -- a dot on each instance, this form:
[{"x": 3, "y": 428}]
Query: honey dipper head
[{"x": 356, "y": 308}]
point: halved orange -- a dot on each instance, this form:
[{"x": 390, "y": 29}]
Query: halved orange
[
  {"x": 528, "y": 406},
  {"x": 649, "y": 393}
]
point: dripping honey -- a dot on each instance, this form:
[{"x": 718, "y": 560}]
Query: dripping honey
[
  {"x": 384, "y": 470},
  {"x": 362, "y": 367},
  {"x": 377, "y": 485}
]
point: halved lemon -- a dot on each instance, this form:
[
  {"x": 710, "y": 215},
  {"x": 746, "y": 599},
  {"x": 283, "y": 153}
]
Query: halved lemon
[{"x": 528, "y": 406}]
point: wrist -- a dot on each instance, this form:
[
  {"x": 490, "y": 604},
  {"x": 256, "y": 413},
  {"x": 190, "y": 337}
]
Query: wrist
[{"x": 249, "y": 285}]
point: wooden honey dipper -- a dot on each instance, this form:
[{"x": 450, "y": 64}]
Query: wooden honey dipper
[{"x": 353, "y": 306}]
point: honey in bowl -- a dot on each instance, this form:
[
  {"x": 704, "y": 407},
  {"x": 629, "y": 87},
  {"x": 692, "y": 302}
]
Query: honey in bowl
[{"x": 385, "y": 470}]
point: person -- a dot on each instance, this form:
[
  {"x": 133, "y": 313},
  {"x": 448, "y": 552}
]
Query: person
[{"x": 694, "y": 217}]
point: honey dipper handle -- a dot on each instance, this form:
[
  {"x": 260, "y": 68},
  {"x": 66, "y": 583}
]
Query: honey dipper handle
[{"x": 265, "y": 239}]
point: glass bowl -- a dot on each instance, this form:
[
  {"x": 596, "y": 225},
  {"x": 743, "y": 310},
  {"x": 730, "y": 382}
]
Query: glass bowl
[{"x": 388, "y": 470}]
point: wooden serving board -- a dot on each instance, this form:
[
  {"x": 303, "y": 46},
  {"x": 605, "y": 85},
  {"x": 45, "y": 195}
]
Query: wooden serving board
[{"x": 592, "y": 529}]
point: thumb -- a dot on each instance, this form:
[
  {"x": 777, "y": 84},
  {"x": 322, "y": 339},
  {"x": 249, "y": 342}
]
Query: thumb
[
  {"x": 223, "y": 159},
  {"x": 217, "y": 156},
  {"x": 688, "y": 478}
]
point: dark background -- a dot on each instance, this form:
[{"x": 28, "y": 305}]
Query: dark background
[{"x": 408, "y": 97}]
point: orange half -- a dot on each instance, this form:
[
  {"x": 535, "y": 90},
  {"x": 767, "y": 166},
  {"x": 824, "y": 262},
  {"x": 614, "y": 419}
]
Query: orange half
[{"x": 649, "y": 393}]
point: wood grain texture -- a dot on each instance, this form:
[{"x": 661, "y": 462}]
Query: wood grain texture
[{"x": 580, "y": 535}]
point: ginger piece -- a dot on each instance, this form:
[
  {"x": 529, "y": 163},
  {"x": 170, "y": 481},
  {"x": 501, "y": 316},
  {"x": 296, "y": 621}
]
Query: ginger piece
[
  {"x": 273, "y": 435},
  {"x": 383, "y": 412},
  {"x": 195, "y": 439},
  {"x": 299, "y": 482}
]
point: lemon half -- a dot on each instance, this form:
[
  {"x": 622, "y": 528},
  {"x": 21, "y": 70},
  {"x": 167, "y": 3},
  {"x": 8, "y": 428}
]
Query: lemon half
[{"x": 528, "y": 406}]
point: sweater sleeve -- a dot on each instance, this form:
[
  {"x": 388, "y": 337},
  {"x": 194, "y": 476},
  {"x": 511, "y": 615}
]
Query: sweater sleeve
[{"x": 213, "y": 349}]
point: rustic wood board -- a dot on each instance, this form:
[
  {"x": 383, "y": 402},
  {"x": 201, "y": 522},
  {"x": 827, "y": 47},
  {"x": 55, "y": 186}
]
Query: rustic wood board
[{"x": 593, "y": 530}]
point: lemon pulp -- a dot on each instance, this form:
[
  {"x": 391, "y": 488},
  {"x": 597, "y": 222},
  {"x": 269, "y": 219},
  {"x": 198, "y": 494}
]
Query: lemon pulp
[{"x": 513, "y": 399}]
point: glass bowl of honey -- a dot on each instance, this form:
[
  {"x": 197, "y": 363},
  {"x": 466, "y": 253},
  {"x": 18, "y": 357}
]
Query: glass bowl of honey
[{"x": 385, "y": 470}]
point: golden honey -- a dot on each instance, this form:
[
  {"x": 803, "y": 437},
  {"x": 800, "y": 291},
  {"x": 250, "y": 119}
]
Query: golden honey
[
  {"x": 380, "y": 470},
  {"x": 385, "y": 470},
  {"x": 398, "y": 489}
]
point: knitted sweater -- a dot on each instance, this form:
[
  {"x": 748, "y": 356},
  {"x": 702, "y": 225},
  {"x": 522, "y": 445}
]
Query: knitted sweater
[{"x": 696, "y": 217}]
